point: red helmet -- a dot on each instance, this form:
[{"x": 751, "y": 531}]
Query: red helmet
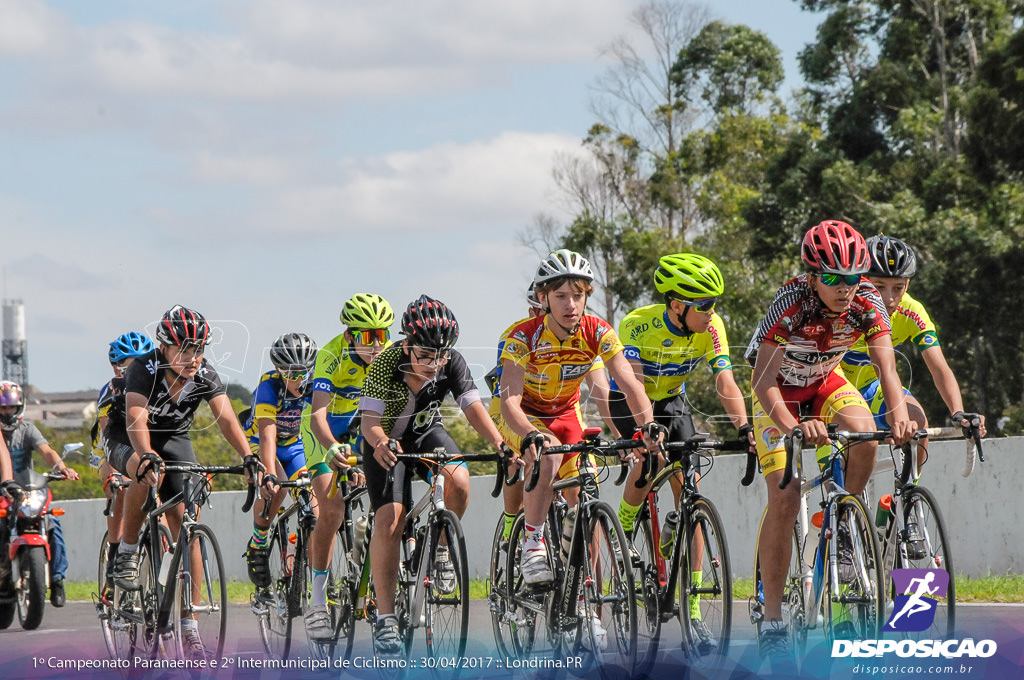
[
  {"x": 834, "y": 247},
  {"x": 181, "y": 326}
]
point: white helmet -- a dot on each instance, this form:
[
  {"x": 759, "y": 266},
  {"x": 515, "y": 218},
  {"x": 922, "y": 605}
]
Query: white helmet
[{"x": 561, "y": 263}]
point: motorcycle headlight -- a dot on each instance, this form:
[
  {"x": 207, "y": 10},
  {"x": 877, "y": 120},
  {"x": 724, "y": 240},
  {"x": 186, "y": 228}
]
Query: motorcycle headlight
[{"x": 32, "y": 503}]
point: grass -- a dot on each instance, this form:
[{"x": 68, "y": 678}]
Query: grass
[{"x": 1004, "y": 588}]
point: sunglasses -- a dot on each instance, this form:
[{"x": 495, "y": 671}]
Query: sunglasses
[
  {"x": 438, "y": 359},
  {"x": 837, "y": 279},
  {"x": 380, "y": 335},
  {"x": 295, "y": 374},
  {"x": 703, "y": 306}
]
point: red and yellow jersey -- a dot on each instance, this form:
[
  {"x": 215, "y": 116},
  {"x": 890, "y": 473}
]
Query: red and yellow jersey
[{"x": 555, "y": 368}]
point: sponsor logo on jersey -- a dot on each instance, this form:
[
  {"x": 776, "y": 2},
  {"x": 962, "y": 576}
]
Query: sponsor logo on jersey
[
  {"x": 352, "y": 371},
  {"x": 657, "y": 323},
  {"x": 574, "y": 372},
  {"x": 638, "y": 331},
  {"x": 667, "y": 342},
  {"x": 721, "y": 362},
  {"x": 606, "y": 346}
]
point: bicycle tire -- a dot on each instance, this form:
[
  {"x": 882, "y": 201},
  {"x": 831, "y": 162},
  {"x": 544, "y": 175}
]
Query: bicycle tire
[
  {"x": 274, "y": 618},
  {"x": 341, "y": 596},
  {"x": 713, "y": 589},
  {"x": 206, "y": 596},
  {"x": 447, "y": 613},
  {"x": 497, "y": 597},
  {"x": 132, "y": 614},
  {"x": 608, "y": 594},
  {"x": 793, "y": 606},
  {"x": 860, "y": 600},
  {"x": 920, "y": 502},
  {"x": 526, "y": 623},
  {"x": 648, "y": 593}
]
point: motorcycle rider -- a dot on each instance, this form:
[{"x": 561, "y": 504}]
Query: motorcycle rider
[{"x": 22, "y": 438}]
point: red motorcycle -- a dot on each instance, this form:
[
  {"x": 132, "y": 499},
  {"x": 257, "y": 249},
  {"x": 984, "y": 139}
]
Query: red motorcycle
[{"x": 25, "y": 551}]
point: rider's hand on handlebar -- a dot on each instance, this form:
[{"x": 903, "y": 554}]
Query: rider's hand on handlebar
[
  {"x": 745, "y": 433},
  {"x": 903, "y": 431},
  {"x": 513, "y": 458},
  {"x": 815, "y": 432},
  {"x": 531, "y": 447},
  {"x": 654, "y": 436},
  {"x": 8, "y": 488},
  {"x": 62, "y": 469},
  {"x": 968, "y": 420},
  {"x": 384, "y": 452},
  {"x": 337, "y": 456},
  {"x": 269, "y": 486}
]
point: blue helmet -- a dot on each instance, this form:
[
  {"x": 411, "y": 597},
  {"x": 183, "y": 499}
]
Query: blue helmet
[{"x": 129, "y": 346}]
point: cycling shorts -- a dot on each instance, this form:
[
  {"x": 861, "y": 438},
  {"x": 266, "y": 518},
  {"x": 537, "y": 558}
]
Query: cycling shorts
[
  {"x": 400, "y": 490},
  {"x": 672, "y": 413},
  {"x": 173, "y": 448},
  {"x": 823, "y": 401},
  {"x": 292, "y": 457},
  {"x": 567, "y": 427},
  {"x": 873, "y": 395}
]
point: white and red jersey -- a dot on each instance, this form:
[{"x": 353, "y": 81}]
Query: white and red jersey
[{"x": 814, "y": 337}]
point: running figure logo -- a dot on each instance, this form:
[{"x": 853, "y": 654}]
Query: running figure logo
[{"x": 914, "y": 610}]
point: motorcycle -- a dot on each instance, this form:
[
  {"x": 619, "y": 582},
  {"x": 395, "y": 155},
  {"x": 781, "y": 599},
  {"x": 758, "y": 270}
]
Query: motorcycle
[{"x": 25, "y": 551}]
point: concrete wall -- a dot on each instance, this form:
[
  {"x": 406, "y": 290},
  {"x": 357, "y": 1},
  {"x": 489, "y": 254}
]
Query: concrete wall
[{"x": 983, "y": 512}]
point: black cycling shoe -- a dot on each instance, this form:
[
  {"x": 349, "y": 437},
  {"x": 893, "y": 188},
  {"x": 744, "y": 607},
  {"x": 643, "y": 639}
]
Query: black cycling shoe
[
  {"x": 58, "y": 598},
  {"x": 257, "y": 564}
]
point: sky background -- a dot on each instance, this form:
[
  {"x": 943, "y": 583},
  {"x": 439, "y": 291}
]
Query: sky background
[{"x": 262, "y": 161}]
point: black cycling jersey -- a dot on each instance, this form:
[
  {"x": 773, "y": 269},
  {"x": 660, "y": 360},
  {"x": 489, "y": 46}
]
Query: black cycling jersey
[
  {"x": 145, "y": 376},
  {"x": 402, "y": 412}
]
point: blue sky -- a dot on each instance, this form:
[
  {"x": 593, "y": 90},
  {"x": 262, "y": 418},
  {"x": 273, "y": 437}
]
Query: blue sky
[{"x": 263, "y": 161}]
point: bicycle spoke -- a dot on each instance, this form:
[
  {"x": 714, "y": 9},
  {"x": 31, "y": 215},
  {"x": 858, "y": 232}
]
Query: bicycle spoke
[
  {"x": 270, "y": 605},
  {"x": 705, "y": 585}
]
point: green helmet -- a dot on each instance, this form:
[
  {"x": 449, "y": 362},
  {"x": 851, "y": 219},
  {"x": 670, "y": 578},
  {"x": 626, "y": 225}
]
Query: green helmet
[
  {"x": 369, "y": 311},
  {"x": 688, "y": 276}
]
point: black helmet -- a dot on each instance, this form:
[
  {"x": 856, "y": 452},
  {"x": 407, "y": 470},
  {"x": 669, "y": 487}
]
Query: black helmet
[
  {"x": 429, "y": 323},
  {"x": 181, "y": 326},
  {"x": 293, "y": 351},
  {"x": 891, "y": 258}
]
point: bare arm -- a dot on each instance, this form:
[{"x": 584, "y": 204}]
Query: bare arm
[
  {"x": 597, "y": 381},
  {"x": 137, "y": 423},
  {"x": 765, "y": 381},
  {"x": 636, "y": 396},
  {"x": 945, "y": 381},
  {"x": 884, "y": 360},
  {"x": 375, "y": 436},
  {"x": 268, "y": 442},
  {"x": 731, "y": 398},
  {"x": 318, "y": 419},
  {"x": 6, "y": 467},
  {"x": 56, "y": 464},
  {"x": 512, "y": 377}
]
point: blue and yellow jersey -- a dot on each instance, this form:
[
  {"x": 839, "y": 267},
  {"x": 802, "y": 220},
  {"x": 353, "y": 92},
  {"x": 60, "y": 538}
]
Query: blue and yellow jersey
[
  {"x": 667, "y": 353},
  {"x": 271, "y": 399},
  {"x": 910, "y": 322},
  {"x": 340, "y": 373}
]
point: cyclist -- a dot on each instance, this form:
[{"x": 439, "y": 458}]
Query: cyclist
[
  {"x": 795, "y": 351},
  {"x": 327, "y": 422},
  {"x": 597, "y": 383},
  {"x": 544, "y": 359},
  {"x": 893, "y": 264},
  {"x": 21, "y": 439},
  {"x": 8, "y": 489},
  {"x": 123, "y": 350},
  {"x": 405, "y": 388},
  {"x": 163, "y": 389},
  {"x": 663, "y": 344},
  {"x": 271, "y": 425}
]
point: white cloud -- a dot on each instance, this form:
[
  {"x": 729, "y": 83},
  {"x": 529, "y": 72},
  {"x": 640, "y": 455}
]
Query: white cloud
[
  {"x": 31, "y": 29},
  {"x": 498, "y": 182}
]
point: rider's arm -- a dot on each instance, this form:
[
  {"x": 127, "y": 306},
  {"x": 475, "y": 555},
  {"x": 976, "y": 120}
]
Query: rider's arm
[
  {"x": 55, "y": 462},
  {"x": 227, "y": 421},
  {"x": 478, "y": 417},
  {"x": 732, "y": 398},
  {"x": 268, "y": 442},
  {"x": 512, "y": 377},
  {"x": 945, "y": 381},
  {"x": 597, "y": 381},
  {"x": 318, "y": 418},
  {"x": 765, "y": 381},
  {"x": 884, "y": 359},
  {"x": 136, "y": 422},
  {"x": 626, "y": 379}
]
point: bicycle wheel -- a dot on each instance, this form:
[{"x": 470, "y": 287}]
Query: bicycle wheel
[
  {"x": 854, "y": 607},
  {"x": 607, "y": 624},
  {"x": 793, "y": 613},
  {"x": 271, "y": 604},
  {"x": 202, "y": 591},
  {"x": 131, "y": 617},
  {"x": 501, "y": 624},
  {"x": 932, "y": 552},
  {"x": 647, "y": 584},
  {"x": 341, "y": 596},
  {"x": 522, "y": 608},
  {"x": 446, "y": 602},
  {"x": 705, "y": 584}
]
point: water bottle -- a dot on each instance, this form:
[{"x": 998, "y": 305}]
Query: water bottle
[
  {"x": 359, "y": 545},
  {"x": 668, "y": 534},
  {"x": 568, "y": 527},
  {"x": 884, "y": 510},
  {"x": 289, "y": 554}
]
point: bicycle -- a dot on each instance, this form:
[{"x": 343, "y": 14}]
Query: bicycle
[
  {"x": 697, "y": 546},
  {"x": 915, "y": 535},
  {"x": 103, "y": 599},
  {"x": 187, "y": 583},
  {"x": 421, "y": 601},
  {"x": 592, "y": 587},
  {"x": 852, "y": 602}
]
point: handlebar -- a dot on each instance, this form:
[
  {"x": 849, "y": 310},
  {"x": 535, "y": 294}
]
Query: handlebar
[
  {"x": 336, "y": 482},
  {"x": 196, "y": 468},
  {"x": 501, "y": 473},
  {"x": 595, "y": 446}
]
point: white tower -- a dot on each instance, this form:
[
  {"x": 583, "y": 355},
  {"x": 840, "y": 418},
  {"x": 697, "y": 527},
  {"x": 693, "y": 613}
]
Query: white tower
[{"x": 15, "y": 346}]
